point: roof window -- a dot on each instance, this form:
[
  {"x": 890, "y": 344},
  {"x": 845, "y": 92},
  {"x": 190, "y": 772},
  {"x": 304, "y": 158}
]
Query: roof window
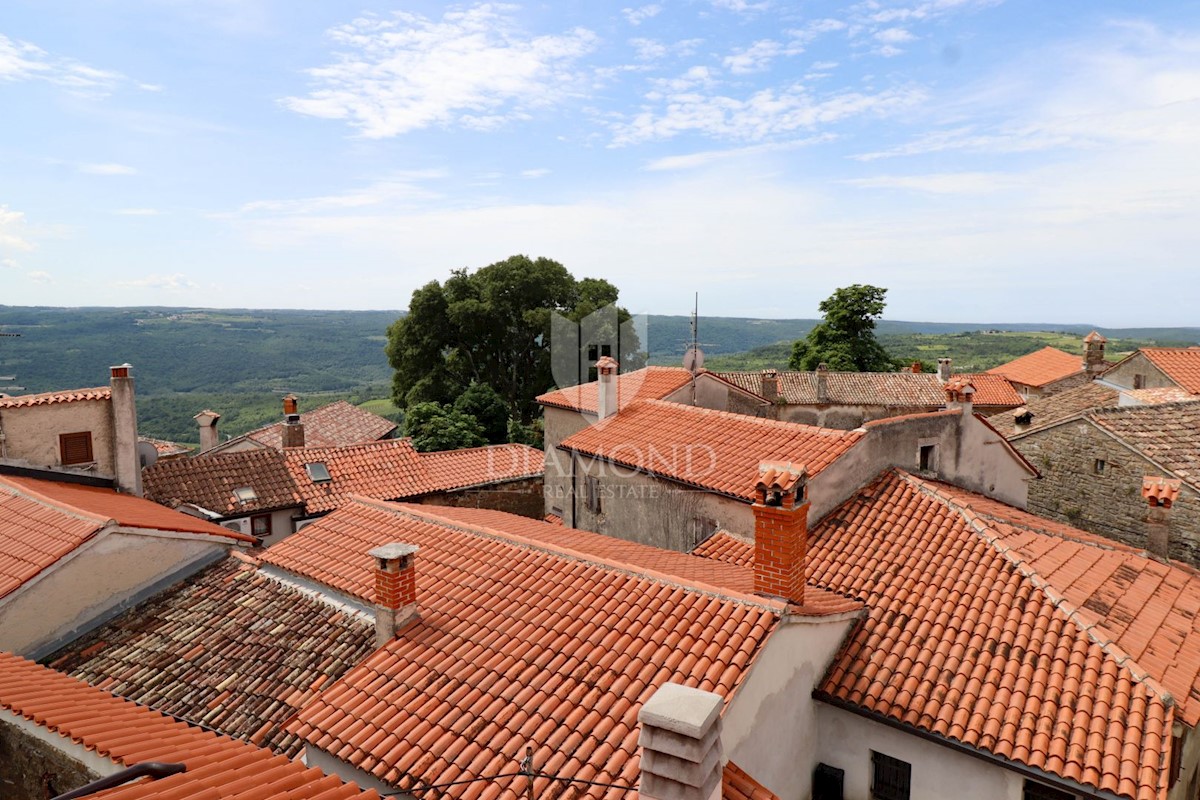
[
  {"x": 245, "y": 494},
  {"x": 318, "y": 472}
]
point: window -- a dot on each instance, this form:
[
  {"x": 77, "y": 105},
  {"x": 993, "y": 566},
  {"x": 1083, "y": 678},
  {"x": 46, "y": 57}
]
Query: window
[
  {"x": 1139, "y": 381},
  {"x": 260, "y": 525},
  {"x": 593, "y": 352},
  {"x": 926, "y": 457},
  {"x": 592, "y": 494},
  {"x": 75, "y": 448},
  {"x": 1100, "y": 466},
  {"x": 1038, "y": 791},
  {"x": 318, "y": 472},
  {"x": 245, "y": 494},
  {"x": 892, "y": 777},
  {"x": 703, "y": 528}
]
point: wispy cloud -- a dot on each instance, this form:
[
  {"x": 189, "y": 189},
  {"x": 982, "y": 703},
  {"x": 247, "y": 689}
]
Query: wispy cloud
[
  {"x": 137, "y": 212},
  {"x": 740, "y": 6},
  {"x": 403, "y": 190},
  {"x": 755, "y": 58},
  {"x": 539, "y": 172},
  {"x": 38, "y": 276},
  {"x": 176, "y": 282},
  {"x": 23, "y": 61},
  {"x": 9, "y": 263},
  {"x": 107, "y": 169},
  {"x": 636, "y": 16},
  {"x": 475, "y": 68},
  {"x": 11, "y": 225},
  {"x": 709, "y": 157},
  {"x": 973, "y": 183}
]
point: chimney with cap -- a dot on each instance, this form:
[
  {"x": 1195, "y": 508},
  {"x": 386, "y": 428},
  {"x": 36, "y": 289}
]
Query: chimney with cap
[
  {"x": 395, "y": 589},
  {"x": 1160, "y": 494},
  {"x": 681, "y": 744},
  {"x": 606, "y": 369},
  {"x": 209, "y": 438},
  {"x": 293, "y": 428},
  {"x": 770, "y": 385},
  {"x": 945, "y": 370},
  {"x": 822, "y": 382},
  {"x": 1093, "y": 354},
  {"x": 959, "y": 394},
  {"x": 128, "y": 466},
  {"x": 781, "y": 531}
]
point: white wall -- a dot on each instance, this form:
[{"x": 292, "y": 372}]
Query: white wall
[{"x": 31, "y": 433}]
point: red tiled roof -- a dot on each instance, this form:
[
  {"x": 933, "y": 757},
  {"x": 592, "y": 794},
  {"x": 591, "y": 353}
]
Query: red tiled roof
[
  {"x": 165, "y": 448},
  {"x": 333, "y": 425},
  {"x": 1180, "y": 364},
  {"x": 992, "y": 390},
  {"x": 218, "y": 768},
  {"x": 457, "y": 469},
  {"x": 518, "y": 643},
  {"x": 45, "y": 520},
  {"x": 724, "y": 546},
  {"x": 1054, "y": 408},
  {"x": 1040, "y": 367},
  {"x": 982, "y": 628},
  {"x": 715, "y": 450},
  {"x": 210, "y": 479},
  {"x": 1160, "y": 491},
  {"x": 736, "y": 784},
  {"x": 49, "y": 398},
  {"x": 1168, "y": 434},
  {"x": 229, "y": 648},
  {"x": 649, "y": 383},
  {"x": 849, "y": 388},
  {"x": 1163, "y": 394}
]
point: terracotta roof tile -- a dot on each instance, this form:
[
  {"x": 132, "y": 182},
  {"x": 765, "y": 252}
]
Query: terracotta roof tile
[
  {"x": 456, "y": 469},
  {"x": 333, "y": 425},
  {"x": 992, "y": 390},
  {"x": 1040, "y": 367},
  {"x": 1164, "y": 394},
  {"x": 1168, "y": 434},
  {"x": 727, "y": 547},
  {"x": 715, "y": 450},
  {"x": 503, "y": 654},
  {"x": 249, "y": 650},
  {"x": 1180, "y": 364},
  {"x": 165, "y": 448},
  {"x": 736, "y": 784},
  {"x": 50, "y": 398},
  {"x": 1160, "y": 491},
  {"x": 386, "y": 470},
  {"x": 849, "y": 388},
  {"x": 649, "y": 383},
  {"x": 1005, "y": 632},
  {"x": 1054, "y": 408},
  {"x": 210, "y": 479},
  {"x": 127, "y": 734}
]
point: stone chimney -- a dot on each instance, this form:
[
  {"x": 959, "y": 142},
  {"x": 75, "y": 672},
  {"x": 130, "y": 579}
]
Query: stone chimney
[
  {"x": 1022, "y": 419},
  {"x": 781, "y": 531},
  {"x": 915, "y": 368},
  {"x": 395, "y": 589},
  {"x": 959, "y": 394},
  {"x": 1160, "y": 495},
  {"x": 822, "y": 382},
  {"x": 1093, "y": 354},
  {"x": 606, "y": 369},
  {"x": 681, "y": 744},
  {"x": 770, "y": 385},
  {"x": 125, "y": 431},
  {"x": 945, "y": 369},
  {"x": 209, "y": 438},
  {"x": 293, "y": 428}
]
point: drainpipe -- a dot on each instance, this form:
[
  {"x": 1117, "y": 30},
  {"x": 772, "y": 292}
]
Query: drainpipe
[{"x": 150, "y": 769}]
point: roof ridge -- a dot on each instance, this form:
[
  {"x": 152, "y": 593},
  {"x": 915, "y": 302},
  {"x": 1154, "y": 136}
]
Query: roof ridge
[
  {"x": 411, "y": 511},
  {"x": 60, "y": 505},
  {"x": 976, "y": 521},
  {"x": 733, "y": 415}
]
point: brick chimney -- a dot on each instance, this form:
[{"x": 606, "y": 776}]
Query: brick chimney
[
  {"x": 915, "y": 368},
  {"x": 781, "y": 531},
  {"x": 1093, "y": 353},
  {"x": 959, "y": 394},
  {"x": 125, "y": 430},
  {"x": 209, "y": 438},
  {"x": 822, "y": 382},
  {"x": 681, "y": 744},
  {"x": 606, "y": 369},
  {"x": 945, "y": 369},
  {"x": 293, "y": 428},
  {"x": 395, "y": 589},
  {"x": 770, "y": 385},
  {"x": 1160, "y": 495}
]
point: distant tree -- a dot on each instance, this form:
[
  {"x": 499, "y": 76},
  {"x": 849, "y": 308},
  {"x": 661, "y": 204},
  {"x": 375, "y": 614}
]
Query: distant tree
[
  {"x": 489, "y": 410},
  {"x": 492, "y": 327},
  {"x": 845, "y": 339},
  {"x": 433, "y": 426},
  {"x": 531, "y": 434}
]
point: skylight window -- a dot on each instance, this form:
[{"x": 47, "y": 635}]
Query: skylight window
[
  {"x": 245, "y": 494},
  {"x": 318, "y": 472}
]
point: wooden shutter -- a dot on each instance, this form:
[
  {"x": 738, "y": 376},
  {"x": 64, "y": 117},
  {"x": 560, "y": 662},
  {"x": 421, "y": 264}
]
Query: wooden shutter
[{"x": 75, "y": 448}]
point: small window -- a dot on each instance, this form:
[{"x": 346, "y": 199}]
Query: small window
[
  {"x": 592, "y": 494},
  {"x": 1139, "y": 381},
  {"x": 606, "y": 350},
  {"x": 245, "y": 494},
  {"x": 593, "y": 352},
  {"x": 1100, "y": 466},
  {"x": 1039, "y": 791},
  {"x": 926, "y": 457},
  {"x": 75, "y": 448},
  {"x": 260, "y": 525},
  {"x": 318, "y": 472},
  {"x": 892, "y": 778}
]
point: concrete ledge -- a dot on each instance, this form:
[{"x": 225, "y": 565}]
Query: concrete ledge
[
  {"x": 659, "y": 788},
  {"x": 680, "y": 709},
  {"x": 676, "y": 744},
  {"x": 682, "y": 770}
]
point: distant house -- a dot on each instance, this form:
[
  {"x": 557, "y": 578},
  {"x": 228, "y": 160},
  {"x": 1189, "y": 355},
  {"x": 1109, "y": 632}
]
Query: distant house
[
  {"x": 91, "y": 432},
  {"x": 333, "y": 425},
  {"x": 1051, "y": 370},
  {"x": 73, "y": 555},
  {"x": 1158, "y": 368}
]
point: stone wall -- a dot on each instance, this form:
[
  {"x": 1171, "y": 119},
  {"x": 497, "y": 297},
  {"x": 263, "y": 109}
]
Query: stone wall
[
  {"x": 845, "y": 417},
  {"x": 1108, "y": 501},
  {"x": 524, "y": 497},
  {"x": 1138, "y": 364},
  {"x": 32, "y": 770}
]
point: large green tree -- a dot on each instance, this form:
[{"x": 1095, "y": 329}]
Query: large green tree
[
  {"x": 490, "y": 326},
  {"x": 845, "y": 339},
  {"x": 433, "y": 427}
]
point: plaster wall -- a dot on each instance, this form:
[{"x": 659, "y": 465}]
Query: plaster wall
[
  {"x": 844, "y": 417},
  {"x": 558, "y": 424},
  {"x": 31, "y": 433},
  {"x": 718, "y": 395},
  {"x": 770, "y": 727},
  {"x": 1138, "y": 364},
  {"x": 93, "y": 583}
]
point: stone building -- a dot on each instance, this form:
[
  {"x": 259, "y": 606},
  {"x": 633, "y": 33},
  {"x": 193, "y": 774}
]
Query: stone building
[
  {"x": 1158, "y": 368},
  {"x": 1051, "y": 370}
]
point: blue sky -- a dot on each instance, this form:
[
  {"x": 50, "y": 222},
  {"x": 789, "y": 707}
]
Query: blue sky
[{"x": 984, "y": 160}]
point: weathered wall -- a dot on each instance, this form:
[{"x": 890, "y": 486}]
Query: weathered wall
[
  {"x": 524, "y": 497},
  {"x": 31, "y": 433},
  {"x": 1189, "y": 773},
  {"x": 1138, "y": 364},
  {"x": 846, "y": 742},
  {"x": 87, "y": 586},
  {"x": 559, "y": 424},
  {"x": 32, "y": 770},
  {"x": 845, "y": 417},
  {"x": 1069, "y": 382},
  {"x": 711, "y": 392},
  {"x": 770, "y": 725},
  {"x": 1109, "y": 503}
]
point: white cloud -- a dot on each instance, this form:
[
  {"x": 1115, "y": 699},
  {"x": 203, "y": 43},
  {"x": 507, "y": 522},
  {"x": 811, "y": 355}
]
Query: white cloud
[
  {"x": 740, "y": 6},
  {"x": 474, "y": 68},
  {"x": 755, "y": 58},
  {"x": 402, "y": 190},
  {"x": 709, "y": 157},
  {"x": 11, "y": 222},
  {"x": 137, "y": 212},
  {"x": 636, "y": 16},
  {"x": 540, "y": 172},
  {"x": 176, "y": 282},
  {"x": 875, "y": 12},
  {"x": 38, "y": 276},
  {"x": 21, "y": 61},
  {"x": 107, "y": 169},
  {"x": 974, "y": 183},
  {"x": 150, "y": 87},
  {"x": 9, "y": 263},
  {"x": 654, "y": 50}
]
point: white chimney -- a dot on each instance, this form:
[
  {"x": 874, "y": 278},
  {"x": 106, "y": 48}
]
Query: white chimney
[
  {"x": 944, "y": 370},
  {"x": 681, "y": 744},
  {"x": 125, "y": 430},
  {"x": 209, "y": 438},
  {"x": 606, "y": 369},
  {"x": 822, "y": 382}
]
